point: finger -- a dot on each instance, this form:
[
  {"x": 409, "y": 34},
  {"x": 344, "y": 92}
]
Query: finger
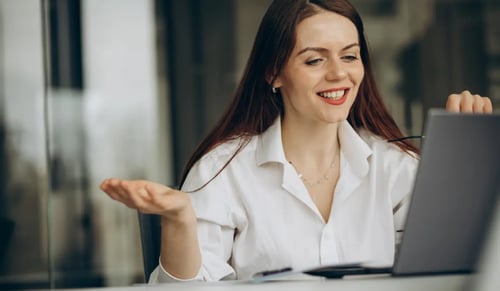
[
  {"x": 137, "y": 202},
  {"x": 145, "y": 203},
  {"x": 453, "y": 103},
  {"x": 143, "y": 193},
  {"x": 159, "y": 196},
  {"x": 478, "y": 104},
  {"x": 488, "y": 106},
  {"x": 113, "y": 195},
  {"x": 132, "y": 191},
  {"x": 151, "y": 193},
  {"x": 104, "y": 184},
  {"x": 117, "y": 190},
  {"x": 156, "y": 191},
  {"x": 106, "y": 187},
  {"x": 466, "y": 102},
  {"x": 116, "y": 185},
  {"x": 138, "y": 196}
]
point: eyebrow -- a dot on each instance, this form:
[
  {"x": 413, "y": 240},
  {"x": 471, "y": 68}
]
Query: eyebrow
[{"x": 321, "y": 49}]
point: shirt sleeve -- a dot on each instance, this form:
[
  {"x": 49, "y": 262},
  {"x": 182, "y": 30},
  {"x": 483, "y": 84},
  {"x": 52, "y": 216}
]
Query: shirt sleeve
[
  {"x": 216, "y": 222},
  {"x": 160, "y": 275},
  {"x": 404, "y": 168}
]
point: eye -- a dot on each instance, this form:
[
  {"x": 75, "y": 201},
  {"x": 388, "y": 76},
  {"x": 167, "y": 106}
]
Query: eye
[
  {"x": 314, "y": 62},
  {"x": 350, "y": 58}
]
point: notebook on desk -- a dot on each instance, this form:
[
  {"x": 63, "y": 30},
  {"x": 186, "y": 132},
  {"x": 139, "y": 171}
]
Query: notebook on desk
[{"x": 452, "y": 202}]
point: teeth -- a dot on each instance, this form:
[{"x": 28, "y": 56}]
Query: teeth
[{"x": 332, "y": 94}]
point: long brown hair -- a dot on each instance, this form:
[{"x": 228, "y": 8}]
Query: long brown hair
[{"x": 254, "y": 108}]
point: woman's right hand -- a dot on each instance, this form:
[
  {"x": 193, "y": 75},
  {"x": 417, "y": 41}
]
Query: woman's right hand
[
  {"x": 180, "y": 252},
  {"x": 149, "y": 197}
]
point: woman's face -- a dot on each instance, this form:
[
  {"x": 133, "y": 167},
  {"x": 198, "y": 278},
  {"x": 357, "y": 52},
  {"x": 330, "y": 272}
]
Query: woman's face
[{"x": 320, "y": 80}]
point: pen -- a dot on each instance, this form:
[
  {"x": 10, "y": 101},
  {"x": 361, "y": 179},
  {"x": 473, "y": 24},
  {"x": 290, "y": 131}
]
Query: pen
[{"x": 272, "y": 272}]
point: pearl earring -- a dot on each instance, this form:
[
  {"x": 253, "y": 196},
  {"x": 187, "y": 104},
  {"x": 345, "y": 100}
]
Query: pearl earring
[{"x": 273, "y": 90}]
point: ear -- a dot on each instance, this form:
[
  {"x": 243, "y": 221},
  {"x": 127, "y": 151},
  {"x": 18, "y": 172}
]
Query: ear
[
  {"x": 277, "y": 82},
  {"x": 273, "y": 80}
]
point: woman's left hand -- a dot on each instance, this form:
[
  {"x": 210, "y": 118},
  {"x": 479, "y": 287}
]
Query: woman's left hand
[{"x": 468, "y": 102}]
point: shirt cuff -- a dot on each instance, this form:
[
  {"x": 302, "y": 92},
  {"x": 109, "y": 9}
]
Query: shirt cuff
[{"x": 160, "y": 275}]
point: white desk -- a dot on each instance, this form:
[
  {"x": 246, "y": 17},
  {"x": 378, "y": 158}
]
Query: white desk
[{"x": 420, "y": 283}]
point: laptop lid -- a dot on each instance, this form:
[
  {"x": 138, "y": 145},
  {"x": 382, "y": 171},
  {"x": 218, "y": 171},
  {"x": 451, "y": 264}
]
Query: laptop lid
[{"x": 453, "y": 196}]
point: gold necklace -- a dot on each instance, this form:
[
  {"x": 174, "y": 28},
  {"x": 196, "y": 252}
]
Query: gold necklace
[{"x": 324, "y": 177}]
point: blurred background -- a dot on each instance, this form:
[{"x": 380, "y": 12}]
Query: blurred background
[{"x": 91, "y": 89}]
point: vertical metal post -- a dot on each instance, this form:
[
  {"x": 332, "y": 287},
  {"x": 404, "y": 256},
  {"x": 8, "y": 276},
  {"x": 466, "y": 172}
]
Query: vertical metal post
[{"x": 45, "y": 4}]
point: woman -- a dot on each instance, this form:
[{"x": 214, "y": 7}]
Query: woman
[{"x": 299, "y": 171}]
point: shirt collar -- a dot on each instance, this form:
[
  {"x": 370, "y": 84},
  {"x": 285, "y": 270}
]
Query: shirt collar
[
  {"x": 354, "y": 148},
  {"x": 270, "y": 146}
]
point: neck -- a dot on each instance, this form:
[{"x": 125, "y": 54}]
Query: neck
[{"x": 310, "y": 146}]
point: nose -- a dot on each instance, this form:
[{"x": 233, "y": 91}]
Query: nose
[{"x": 335, "y": 70}]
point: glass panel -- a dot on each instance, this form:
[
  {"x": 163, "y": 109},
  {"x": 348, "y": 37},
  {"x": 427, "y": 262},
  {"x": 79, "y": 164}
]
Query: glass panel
[{"x": 24, "y": 259}]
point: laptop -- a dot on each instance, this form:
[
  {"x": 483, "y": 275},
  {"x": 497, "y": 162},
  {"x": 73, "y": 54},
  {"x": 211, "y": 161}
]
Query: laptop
[{"x": 454, "y": 194}]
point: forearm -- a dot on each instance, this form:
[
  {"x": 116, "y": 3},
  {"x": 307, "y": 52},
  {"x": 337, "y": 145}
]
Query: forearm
[{"x": 180, "y": 252}]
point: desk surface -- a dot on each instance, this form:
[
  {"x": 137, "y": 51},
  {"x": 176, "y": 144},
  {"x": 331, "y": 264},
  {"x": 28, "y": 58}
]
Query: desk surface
[{"x": 420, "y": 283}]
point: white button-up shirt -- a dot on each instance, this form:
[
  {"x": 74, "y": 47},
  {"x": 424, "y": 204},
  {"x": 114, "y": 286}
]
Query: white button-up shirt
[{"x": 257, "y": 214}]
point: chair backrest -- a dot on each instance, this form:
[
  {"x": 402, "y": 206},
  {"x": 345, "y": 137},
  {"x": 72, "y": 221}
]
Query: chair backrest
[{"x": 150, "y": 229}]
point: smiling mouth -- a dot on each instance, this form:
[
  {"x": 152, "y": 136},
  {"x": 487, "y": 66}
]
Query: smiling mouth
[{"x": 333, "y": 95}]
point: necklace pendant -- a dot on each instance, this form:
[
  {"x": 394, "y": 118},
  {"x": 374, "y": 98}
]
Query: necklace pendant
[{"x": 325, "y": 177}]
